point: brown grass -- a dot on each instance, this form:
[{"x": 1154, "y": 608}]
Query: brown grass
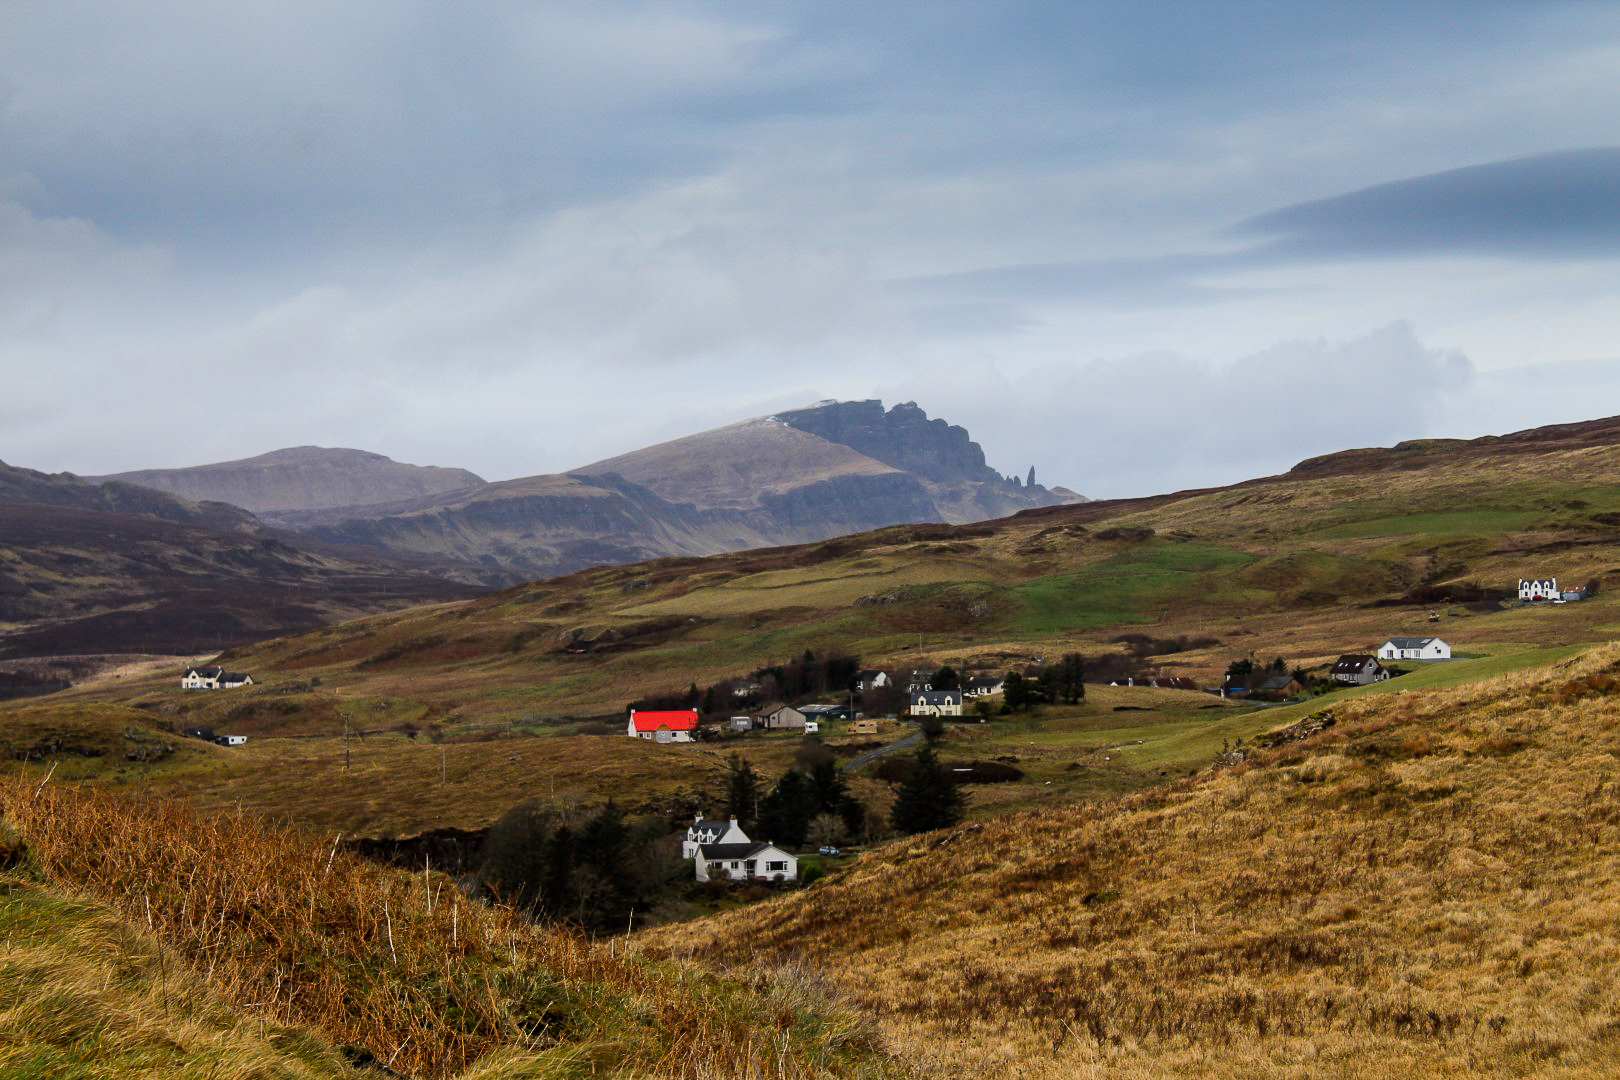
[
  {"x": 293, "y": 931},
  {"x": 1429, "y": 887}
]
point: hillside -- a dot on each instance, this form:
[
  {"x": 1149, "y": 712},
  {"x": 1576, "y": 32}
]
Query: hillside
[
  {"x": 1302, "y": 565},
  {"x": 800, "y": 476},
  {"x": 75, "y": 581},
  {"x": 64, "y": 490},
  {"x": 218, "y": 927},
  {"x": 301, "y": 478},
  {"x": 1424, "y": 888}
]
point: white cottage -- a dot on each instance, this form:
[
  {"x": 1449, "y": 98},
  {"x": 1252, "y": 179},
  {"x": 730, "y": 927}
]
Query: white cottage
[
  {"x": 937, "y": 703},
  {"x": 707, "y": 831},
  {"x": 1538, "y": 588},
  {"x": 746, "y": 862},
  {"x": 213, "y": 678},
  {"x": 1414, "y": 648}
]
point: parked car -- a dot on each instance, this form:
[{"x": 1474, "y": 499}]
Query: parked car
[{"x": 827, "y": 849}]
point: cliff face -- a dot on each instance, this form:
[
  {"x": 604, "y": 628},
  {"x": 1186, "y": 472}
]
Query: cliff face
[
  {"x": 302, "y": 478},
  {"x": 798, "y": 477},
  {"x": 903, "y": 437}
]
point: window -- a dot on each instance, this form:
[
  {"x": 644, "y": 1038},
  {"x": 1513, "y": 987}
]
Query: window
[{"x": 779, "y": 864}]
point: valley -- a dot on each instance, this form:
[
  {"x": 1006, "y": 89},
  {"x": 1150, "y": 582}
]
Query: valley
[{"x": 1400, "y": 876}]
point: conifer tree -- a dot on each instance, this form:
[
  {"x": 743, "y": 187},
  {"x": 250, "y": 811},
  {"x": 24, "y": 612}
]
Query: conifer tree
[{"x": 928, "y": 798}]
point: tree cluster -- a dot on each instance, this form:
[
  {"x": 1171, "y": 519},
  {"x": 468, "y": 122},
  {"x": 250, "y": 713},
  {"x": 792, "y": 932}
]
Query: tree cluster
[
  {"x": 809, "y": 802},
  {"x": 928, "y": 798},
  {"x": 588, "y": 868},
  {"x": 807, "y": 676}
]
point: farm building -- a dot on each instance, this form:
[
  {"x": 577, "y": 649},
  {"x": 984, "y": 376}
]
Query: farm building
[{"x": 663, "y": 726}]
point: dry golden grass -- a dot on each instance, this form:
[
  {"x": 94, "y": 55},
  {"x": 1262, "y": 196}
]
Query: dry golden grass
[
  {"x": 84, "y": 994},
  {"x": 1430, "y": 887},
  {"x": 405, "y": 967}
]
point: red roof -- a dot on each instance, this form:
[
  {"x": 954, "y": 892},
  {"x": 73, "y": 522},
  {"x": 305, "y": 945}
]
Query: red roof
[{"x": 675, "y": 720}]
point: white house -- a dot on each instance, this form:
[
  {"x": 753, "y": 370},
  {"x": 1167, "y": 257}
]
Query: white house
[
  {"x": 1358, "y": 669},
  {"x": 231, "y": 740},
  {"x": 1538, "y": 588},
  {"x": 937, "y": 703},
  {"x": 745, "y": 862},
  {"x": 871, "y": 679},
  {"x": 984, "y": 685},
  {"x": 709, "y": 831},
  {"x": 663, "y": 726},
  {"x": 1414, "y": 648},
  {"x": 213, "y": 678}
]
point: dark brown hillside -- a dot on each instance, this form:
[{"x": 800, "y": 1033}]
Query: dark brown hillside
[
  {"x": 67, "y": 490},
  {"x": 85, "y": 581}
]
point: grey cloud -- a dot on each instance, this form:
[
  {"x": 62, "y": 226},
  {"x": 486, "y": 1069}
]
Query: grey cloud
[
  {"x": 1550, "y": 205},
  {"x": 1141, "y": 425}
]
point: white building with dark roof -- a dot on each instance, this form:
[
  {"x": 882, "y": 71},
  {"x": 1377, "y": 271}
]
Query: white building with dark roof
[
  {"x": 1538, "y": 589},
  {"x": 1414, "y": 648},
  {"x": 213, "y": 678}
]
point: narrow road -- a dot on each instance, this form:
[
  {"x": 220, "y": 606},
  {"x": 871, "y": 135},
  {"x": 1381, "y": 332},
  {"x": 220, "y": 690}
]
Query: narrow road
[{"x": 872, "y": 755}]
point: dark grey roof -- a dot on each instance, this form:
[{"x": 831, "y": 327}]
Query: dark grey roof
[
  {"x": 937, "y": 697},
  {"x": 232, "y": 676},
  {"x": 206, "y": 672},
  {"x": 725, "y": 852},
  {"x": 1353, "y": 663},
  {"x": 1276, "y": 682},
  {"x": 706, "y": 823},
  {"x": 1410, "y": 642}
]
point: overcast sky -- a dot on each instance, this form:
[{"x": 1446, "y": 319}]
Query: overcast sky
[{"x": 1140, "y": 246}]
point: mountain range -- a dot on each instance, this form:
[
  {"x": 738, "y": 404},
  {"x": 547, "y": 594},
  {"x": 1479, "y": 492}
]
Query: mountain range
[
  {"x": 799, "y": 476},
  {"x": 177, "y": 560}
]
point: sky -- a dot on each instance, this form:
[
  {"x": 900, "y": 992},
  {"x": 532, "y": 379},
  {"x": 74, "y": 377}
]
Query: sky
[{"x": 1139, "y": 246}]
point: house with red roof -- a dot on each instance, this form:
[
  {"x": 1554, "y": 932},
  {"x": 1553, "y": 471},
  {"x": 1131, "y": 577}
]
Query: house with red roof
[{"x": 663, "y": 725}]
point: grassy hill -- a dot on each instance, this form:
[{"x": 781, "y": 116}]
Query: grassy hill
[
  {"x": 1310, "y": 564},
  {"x": 1425, "y": 887},
  {"x": 249, "y": 925},
  {"x": 1333, "y": 557}
]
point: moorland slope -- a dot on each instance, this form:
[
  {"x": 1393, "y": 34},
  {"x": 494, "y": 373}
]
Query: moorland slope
[
  {"x": 1423, "y": 884},
  {"x": 1307, "y": 565}
]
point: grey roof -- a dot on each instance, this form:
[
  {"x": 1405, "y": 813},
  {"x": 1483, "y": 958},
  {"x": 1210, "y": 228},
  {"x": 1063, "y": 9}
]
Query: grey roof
[
  {"x": 1351, "y": 663},
  {"x": 1276, "y": 682},
  {"x": 724, "y": 852},
  {"x": 209, "y": 672},
  {"x": 937, "y": 697},
  {"x": 708, "y": 823},
  {"x": 1411, "y": 642}
]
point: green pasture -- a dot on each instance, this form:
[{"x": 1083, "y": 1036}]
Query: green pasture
[{"x": 1133, "y": 587}]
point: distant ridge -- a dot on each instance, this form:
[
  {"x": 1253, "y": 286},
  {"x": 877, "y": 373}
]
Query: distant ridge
[
  {"x": 795, "y": 477},
  {"x": 302, "y": 478}
]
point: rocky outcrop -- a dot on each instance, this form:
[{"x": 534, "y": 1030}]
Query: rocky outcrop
[{"x": 903, "y": 437}]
